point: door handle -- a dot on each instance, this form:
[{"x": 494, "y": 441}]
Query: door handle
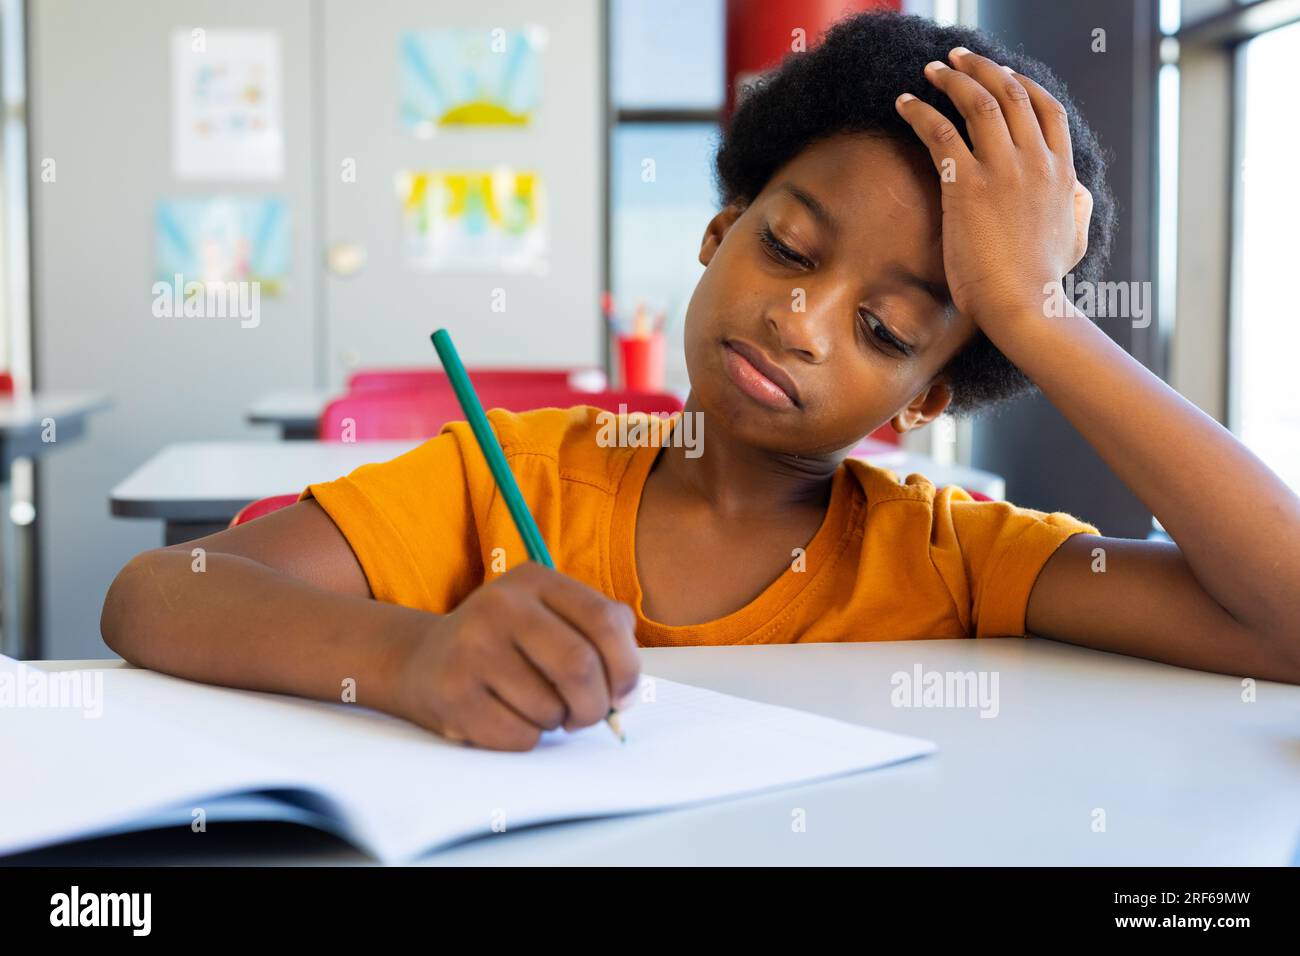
[{"x": 345, "y": 259}]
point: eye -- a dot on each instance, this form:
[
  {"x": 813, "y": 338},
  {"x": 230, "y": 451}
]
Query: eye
[
  {"x": 779, "y": 251},
  {"x": 877, "y": 330}
]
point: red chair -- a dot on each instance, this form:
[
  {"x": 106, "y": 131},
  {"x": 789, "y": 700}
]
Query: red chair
[
  {"x": 263, "y": 506},
  {"x": 518, "y": 398},
  {"x": 406, "y": 378},
  {"x": 393, "y": 415},
  {"x": 383, "y": 415}
]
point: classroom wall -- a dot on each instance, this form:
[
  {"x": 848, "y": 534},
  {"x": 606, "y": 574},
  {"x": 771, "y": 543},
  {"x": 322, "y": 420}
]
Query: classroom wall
[{"x": 100, "y": 108}]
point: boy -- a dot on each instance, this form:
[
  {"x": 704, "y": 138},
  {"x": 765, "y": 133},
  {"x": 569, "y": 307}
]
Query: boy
[{"x": 898, "y": 215}]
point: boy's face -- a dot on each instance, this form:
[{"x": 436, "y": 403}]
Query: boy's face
[{"x": 854, "y": 309}]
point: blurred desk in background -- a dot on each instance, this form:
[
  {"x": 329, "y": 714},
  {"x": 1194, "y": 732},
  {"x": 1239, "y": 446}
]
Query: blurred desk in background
[
  {"x": 295, "y": 412},
  {"x": 195, "y": 488},
  {"x": 24, "y": 421},
  {"x": 30, "y": 426}
]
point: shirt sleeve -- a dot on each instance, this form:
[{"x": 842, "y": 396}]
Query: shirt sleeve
[
  {"x": 410, "y": 523},
  {"x": 1002, "y": 549}
]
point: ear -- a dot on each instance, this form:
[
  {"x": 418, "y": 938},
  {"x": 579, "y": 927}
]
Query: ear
[
  {"x": 924, "y": 408},
  {"x": 716, "y": 230}
]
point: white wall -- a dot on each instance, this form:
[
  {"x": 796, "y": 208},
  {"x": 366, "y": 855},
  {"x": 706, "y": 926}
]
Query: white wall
[{"x": 100, "y": 107}]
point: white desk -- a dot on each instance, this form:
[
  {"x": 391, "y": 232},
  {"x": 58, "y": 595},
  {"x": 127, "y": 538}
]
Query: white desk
[
  {"x": 196, "y": 487},
  {"x": 295, "y": 412},
  {"x": 31, "y": 426},
  {"x": 1186, "y": 772},
  {"x": 24, "y": 419}
]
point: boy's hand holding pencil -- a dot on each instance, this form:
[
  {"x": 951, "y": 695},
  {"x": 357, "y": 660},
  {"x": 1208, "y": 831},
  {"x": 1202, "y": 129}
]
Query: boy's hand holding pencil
[{"x": 533, "y": 650}]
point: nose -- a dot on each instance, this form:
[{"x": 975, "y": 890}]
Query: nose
[{"x": 810, "y": 331}]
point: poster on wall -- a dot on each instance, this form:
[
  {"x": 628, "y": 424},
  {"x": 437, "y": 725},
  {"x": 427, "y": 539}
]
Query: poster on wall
[
  {"x": 470, "y": 78},
  {"x": 226, "y": 105},
  {"x": 223, "y": 239},
  {"x": 482, "y": 220}
]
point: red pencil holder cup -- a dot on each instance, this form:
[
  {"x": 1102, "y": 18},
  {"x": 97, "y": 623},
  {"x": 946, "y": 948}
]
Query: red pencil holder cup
[{"x": 643, "y": 362}]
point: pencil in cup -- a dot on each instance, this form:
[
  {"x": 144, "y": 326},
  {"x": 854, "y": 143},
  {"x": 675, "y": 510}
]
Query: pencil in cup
[{"x": 496, "y": 460}]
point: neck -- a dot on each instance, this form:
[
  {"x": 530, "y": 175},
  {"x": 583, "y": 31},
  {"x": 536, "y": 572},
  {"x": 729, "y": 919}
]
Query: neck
[{"x": 736, "y": 479}]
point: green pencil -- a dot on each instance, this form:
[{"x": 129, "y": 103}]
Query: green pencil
[{"x": 496, "y": 460}]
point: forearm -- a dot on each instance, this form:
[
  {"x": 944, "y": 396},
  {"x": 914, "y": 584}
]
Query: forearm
[
  {"x": 1235, "y": 522},
  {"x": 243, "y": 624}
]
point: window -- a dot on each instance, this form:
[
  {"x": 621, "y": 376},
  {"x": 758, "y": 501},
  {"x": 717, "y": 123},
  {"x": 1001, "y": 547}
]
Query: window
[
  {"x": 666, "y": 79},
  {"x": 1265, "y": 335},
  {"x": 666, "y": 54},
  {"x": 662, "y": 197}
]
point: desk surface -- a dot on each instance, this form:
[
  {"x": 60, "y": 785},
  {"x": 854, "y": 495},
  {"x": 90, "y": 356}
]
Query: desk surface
[
  {"x": 210, "y": 481},
  {"x": 23, "y": 422},
  {"x": 24, "y": 413},
  {"x": 1185, "y": 771}
]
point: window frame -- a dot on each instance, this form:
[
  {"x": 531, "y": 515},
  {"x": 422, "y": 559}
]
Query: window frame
[{"x": 1216, "y": 44}]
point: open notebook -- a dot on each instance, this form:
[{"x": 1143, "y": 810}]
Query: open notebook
[{"x": 160, "y": 747}]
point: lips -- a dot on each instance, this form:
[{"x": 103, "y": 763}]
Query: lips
[{"x": 759, "y": 376}]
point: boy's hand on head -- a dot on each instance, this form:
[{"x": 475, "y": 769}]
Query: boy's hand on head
[
  {"x": 532, "y": 650},
  {"x": 1015, "y": 217}
]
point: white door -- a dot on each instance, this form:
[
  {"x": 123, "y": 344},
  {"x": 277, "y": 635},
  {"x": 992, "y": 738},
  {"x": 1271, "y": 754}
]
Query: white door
[{"x": 509, "y": 263}]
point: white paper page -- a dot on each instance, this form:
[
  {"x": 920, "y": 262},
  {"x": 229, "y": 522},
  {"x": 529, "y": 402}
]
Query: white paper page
[
  {"x": 66, "y": 773},
  {"x": 406, "y": 791},
  {"x": 691, "y": 745}
]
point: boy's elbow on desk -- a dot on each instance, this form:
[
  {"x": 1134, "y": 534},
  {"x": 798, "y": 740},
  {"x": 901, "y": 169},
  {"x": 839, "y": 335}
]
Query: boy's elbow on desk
[{"x": 121, "y": 606}]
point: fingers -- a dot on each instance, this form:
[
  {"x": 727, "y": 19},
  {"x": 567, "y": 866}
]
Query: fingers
[
  {"x": 936, "y": 132},
  {"x": 529, "y": 652},
  {"x": 494, "y": 724},
  {"x": 577, "y": 639},
  {"x": 1012, "y": 97},
  {"x": 567, "y": 660},
  {"x": 524, "y": 689},
  {"x": 609, "y": 626},
  {"x": 1052, "y": 119},
  {"x": 978, "y": 107},
  {"x": 1002, "y": 109}
]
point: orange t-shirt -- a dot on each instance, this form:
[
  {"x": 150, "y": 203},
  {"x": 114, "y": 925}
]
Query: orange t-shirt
[{"x": 891, "y": 561}]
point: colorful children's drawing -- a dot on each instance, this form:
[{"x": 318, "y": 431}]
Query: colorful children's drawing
[
  {"x": 476, "y": 78},
  {"x": 474, "y": 220},
  {"x": 226, "y": 105},
  {"x": 223, "y": 239}
]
